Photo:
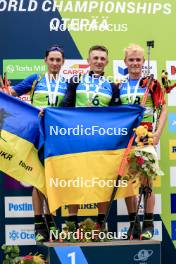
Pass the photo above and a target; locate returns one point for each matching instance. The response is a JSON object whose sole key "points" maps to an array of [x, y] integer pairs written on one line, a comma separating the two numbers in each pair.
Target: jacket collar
{"points": [[91, 73]]}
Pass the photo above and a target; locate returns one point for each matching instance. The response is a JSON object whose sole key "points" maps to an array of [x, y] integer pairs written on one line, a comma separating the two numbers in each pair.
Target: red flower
{"points": [[140, 161], [28, 257]]}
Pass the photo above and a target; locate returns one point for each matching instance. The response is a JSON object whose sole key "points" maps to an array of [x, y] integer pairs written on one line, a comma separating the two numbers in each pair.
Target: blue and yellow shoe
{"points": [[147, 230], [41, 232]]}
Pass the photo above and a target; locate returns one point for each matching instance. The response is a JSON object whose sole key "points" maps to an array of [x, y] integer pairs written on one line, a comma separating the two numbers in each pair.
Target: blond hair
{"points": [[133, 47]]}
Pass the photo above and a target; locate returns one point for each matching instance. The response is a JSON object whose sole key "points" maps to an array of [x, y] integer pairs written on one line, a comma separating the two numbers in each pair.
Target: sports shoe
{"points": [[147, 230], [41, 232], [134, 231]]}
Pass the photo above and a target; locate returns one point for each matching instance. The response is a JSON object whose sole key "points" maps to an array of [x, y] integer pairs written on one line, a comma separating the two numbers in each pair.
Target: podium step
{"points": [[114, 252]]}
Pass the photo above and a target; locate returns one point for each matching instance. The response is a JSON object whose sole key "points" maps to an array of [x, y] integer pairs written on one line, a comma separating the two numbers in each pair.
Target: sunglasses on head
{"points": [[55, 48]]}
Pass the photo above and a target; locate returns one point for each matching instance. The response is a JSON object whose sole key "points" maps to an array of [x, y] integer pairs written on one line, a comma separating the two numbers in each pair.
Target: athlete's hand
{"points": [[146, 181], [156, 138], [5, 85], [153, 83]]}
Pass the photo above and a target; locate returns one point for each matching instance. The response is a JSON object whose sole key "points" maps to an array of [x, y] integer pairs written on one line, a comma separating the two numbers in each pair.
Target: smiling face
{"points": [[97, 60], [54, 61], [134, 60]]}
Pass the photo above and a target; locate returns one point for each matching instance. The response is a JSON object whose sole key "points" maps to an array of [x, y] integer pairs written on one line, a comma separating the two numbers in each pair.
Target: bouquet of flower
{"points": [[88, 231], [29, 259], [143, 163], [11, 256]]}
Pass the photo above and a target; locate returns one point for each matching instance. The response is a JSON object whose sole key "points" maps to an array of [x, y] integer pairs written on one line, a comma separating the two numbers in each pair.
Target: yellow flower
{"points": [[38, 260]]}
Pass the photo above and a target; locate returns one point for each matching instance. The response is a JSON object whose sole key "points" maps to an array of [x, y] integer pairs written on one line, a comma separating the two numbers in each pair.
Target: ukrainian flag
{"points": [[19, 138], [83, 150]]}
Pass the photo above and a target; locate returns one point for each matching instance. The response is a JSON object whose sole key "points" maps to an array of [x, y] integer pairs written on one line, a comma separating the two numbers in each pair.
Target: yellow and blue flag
{"points": [[83, 148], [19, 139]]}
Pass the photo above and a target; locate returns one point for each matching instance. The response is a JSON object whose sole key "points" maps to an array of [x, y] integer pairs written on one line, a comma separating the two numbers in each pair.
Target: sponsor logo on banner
{"points": [[74, 67], [121, 72], [172, 122], [172, 149], [173, 176], [20, 69], [122, 210], [173, 229], [19, 235], [173, 203], [84, 210], [171, 69], [123, 227], [143, 255], [18, 206]]}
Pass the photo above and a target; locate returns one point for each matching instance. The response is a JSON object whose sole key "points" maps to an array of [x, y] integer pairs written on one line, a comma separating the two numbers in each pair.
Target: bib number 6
{"points": [[96, 101]]}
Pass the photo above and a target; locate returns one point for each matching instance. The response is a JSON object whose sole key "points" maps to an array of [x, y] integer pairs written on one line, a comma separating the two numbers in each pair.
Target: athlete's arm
{"points": [[161, 124], [69, 99], [24, 86]]}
